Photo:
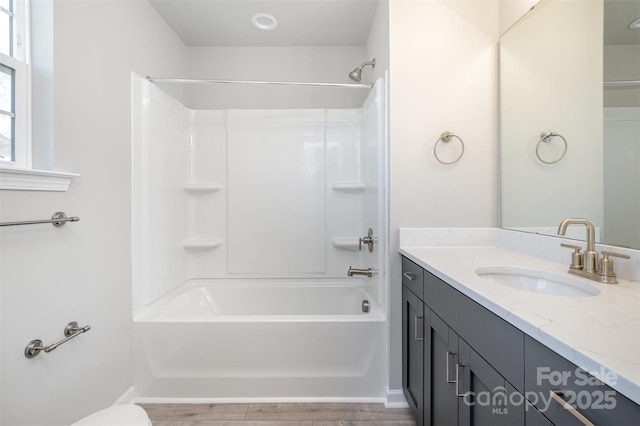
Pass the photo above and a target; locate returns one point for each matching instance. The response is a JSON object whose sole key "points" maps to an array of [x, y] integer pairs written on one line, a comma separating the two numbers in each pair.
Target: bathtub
{"points": [[261, 340]]}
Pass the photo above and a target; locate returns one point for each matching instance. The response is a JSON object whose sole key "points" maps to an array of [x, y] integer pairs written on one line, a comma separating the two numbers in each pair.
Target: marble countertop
{"points": [[599, 334]]}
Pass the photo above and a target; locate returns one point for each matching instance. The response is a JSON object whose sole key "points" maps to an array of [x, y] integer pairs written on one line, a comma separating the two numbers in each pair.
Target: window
{"points": [[16, 172], [14, 96]]}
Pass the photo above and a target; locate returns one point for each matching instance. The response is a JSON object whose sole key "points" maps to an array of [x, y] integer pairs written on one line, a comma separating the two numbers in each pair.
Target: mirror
{"points": [[570, 120]]}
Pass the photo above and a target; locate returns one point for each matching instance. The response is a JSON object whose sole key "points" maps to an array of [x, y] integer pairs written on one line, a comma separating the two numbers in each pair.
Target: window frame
{"points": [[19, 63]]}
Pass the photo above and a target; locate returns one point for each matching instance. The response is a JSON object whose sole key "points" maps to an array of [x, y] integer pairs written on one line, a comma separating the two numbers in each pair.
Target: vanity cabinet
{"points": [[441, 357], [413, 352], [464, 365], [551, 379], [459, 386]]}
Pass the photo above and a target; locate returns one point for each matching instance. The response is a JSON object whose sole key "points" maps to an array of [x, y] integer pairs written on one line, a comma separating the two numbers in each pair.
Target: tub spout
{"points": [[354, 271]]}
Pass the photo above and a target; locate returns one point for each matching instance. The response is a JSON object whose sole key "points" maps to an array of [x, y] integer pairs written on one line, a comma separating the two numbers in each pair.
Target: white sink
{"points": [[538, 281]]}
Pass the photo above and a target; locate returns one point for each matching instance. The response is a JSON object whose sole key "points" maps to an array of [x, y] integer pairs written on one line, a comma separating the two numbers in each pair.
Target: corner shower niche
{"points": [[269, 193]]}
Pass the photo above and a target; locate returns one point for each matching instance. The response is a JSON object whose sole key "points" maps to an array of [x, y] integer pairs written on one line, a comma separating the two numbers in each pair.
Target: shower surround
{"points": [[257, 201]]}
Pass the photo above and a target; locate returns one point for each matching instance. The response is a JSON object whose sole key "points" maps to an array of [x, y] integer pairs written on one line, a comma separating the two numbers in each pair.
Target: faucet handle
{"points": [[612, 254], [368, 240], [606, 266], [576, 256]]}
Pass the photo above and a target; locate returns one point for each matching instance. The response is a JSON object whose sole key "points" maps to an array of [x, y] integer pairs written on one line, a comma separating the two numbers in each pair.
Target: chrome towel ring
{"points": [[546, 137], [446, 137]]}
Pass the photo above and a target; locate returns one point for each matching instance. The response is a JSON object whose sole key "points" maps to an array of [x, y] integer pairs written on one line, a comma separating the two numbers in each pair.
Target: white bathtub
{"points": [[261, 340]]}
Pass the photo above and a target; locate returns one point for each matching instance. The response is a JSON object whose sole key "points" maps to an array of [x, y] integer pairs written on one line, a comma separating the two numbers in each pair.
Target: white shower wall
{"points": [[621, 175], [252, 193]]}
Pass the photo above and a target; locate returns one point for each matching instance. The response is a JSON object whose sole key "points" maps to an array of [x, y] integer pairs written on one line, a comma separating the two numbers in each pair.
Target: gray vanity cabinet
{"points": [[458, 385], [547, 373], [533, 417], [488, 398], [441, 356], [413, 352], [464, 365]]}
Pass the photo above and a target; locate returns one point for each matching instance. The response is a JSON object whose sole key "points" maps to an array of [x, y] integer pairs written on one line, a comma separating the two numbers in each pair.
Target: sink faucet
{"points": [[586, 264], [590, 257]]}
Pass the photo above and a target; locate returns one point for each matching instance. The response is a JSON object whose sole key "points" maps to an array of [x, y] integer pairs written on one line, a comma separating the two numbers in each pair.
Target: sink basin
{"points": [[538, 281]]}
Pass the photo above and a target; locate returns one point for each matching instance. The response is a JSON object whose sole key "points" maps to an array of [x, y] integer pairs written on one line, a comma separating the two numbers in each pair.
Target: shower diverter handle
{"points": [[368, 240]]}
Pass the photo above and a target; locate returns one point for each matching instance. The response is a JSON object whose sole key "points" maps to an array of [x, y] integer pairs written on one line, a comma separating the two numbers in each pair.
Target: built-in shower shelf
{"points": [[201, 244], [345, 243], [202, 187], [348, 186]]}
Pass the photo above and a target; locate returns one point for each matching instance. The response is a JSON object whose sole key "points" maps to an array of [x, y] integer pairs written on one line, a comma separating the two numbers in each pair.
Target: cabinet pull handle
{"points": [[458, 366], [415, 332], [409, 276], [447, 367], [575, 413]]}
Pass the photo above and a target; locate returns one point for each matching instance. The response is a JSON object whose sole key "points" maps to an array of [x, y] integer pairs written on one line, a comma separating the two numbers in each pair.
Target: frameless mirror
{"points": [[570, 119]]}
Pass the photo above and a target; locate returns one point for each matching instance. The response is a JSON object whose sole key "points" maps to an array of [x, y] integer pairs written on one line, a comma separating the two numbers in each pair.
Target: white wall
{"points": [[378, 44], [622, 62], [510, 11], [443, 77], [560, 93], [80, 272], [622, 176]]}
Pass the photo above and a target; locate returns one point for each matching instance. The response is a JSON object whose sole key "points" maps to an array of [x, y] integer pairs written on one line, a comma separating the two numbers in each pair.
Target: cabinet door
{"points": [[533, 417], [567, 395], [413, 352], [441, 347], [485, 397]]}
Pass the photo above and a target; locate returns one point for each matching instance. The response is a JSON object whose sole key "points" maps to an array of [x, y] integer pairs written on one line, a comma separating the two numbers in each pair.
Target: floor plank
{"points": [[365, 423], [281, 414], [195, 412], [326, 411], [230, 423]]}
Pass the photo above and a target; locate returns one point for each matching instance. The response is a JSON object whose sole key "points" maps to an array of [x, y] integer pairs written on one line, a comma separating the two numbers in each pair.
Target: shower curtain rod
{"points": [[622, 83], [271, 83]]}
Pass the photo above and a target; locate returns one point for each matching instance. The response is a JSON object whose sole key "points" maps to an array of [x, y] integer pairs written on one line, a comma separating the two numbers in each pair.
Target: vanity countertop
{"points": [[599, 334]]}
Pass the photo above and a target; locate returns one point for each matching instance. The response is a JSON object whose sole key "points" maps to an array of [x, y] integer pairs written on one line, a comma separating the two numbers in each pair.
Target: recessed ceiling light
{"points": [[635, 25], [264, 22]]}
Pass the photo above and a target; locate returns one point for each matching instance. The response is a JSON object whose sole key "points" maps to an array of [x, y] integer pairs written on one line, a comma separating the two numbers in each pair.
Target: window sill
{"points": [[17, 179]]}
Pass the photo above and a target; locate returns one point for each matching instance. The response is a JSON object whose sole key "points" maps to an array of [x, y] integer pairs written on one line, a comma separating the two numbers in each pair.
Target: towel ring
{"points": [[546, 137], [446, 137]]}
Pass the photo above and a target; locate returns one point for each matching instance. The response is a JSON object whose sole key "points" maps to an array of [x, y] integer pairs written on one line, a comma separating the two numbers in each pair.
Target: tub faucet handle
{"points": [[368, 240]]}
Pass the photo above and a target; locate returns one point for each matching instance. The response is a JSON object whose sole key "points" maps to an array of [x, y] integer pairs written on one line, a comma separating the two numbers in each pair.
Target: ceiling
{"points": [[300, 22], [618, 14], [318, 22]]}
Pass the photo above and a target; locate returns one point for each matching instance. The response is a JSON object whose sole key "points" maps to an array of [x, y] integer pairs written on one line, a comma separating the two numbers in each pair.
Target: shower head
{"points": [[356, 74]]}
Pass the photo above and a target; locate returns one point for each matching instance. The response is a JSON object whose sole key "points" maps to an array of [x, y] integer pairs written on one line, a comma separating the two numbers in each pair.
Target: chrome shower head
{"points": [[356, 74]]}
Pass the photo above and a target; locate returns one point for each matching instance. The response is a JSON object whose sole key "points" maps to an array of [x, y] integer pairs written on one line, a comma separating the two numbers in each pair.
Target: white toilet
{"points": [[118, 415]]}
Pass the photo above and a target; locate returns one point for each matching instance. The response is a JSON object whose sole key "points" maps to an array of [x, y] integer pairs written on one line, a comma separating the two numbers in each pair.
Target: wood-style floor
{"points": [[302, 414]]}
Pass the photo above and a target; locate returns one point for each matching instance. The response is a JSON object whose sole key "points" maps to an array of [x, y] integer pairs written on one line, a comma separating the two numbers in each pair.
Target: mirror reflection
{"points": [[570, 119]]}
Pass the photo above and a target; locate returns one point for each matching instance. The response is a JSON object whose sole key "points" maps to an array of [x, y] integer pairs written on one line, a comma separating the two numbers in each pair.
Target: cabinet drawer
{"points": [[412, 277], [547, 372], [497, 341]]}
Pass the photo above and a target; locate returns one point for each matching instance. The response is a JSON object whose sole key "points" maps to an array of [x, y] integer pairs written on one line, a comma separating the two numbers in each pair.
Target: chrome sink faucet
{"points": [[587, 264]]}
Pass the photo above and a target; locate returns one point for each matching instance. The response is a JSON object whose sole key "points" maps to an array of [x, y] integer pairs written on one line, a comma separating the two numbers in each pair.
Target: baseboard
{"points": [[253, 400], [128, 397], [395, 399]]}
